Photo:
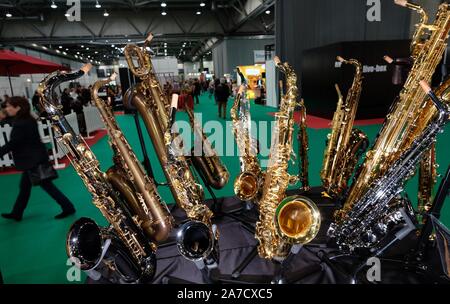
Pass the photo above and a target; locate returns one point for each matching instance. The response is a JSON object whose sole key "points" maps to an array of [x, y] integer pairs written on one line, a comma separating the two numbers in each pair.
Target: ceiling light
{"points": [[268, 12], [8, 15], [60, 46], [57, 51], [34, 44], [82, 46], [67, 15], [163, 13], [97, 5], [64, 53], [78, 53], [87, 49], [67, 49], [202, 4], [198, 13], [106, 14], [163, 4], [44, 48], [53, 5], [96, 52], [112, 45]]}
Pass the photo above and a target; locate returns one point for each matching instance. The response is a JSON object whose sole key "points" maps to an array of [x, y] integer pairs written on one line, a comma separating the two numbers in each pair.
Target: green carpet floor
{"points": [[33, 251]]}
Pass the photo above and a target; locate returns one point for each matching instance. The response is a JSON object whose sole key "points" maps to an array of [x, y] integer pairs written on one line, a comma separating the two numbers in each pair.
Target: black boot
{"points": [[12, 216]]}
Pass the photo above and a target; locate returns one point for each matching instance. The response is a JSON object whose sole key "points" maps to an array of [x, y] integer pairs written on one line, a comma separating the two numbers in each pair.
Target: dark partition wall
{"points": [[321, 71], [306, 24]]}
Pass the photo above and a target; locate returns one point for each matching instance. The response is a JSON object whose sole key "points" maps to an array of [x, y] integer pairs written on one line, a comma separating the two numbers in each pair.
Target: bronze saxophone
{"points": [[247, 185], [209, 165], [406, 118], [151, 103], [345, 144], [303, 147], [131, 250], [284, 221]]}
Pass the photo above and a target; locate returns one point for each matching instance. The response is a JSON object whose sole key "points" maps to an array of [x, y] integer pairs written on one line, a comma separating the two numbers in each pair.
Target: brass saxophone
{"points": [[284, 221], [131, 250], [151, 103], [209, 166], [303, 148], [345, 144], [247, 185], [406, 119]]}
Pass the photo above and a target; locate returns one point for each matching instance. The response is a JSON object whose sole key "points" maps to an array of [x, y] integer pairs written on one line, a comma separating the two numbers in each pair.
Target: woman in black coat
{"points": [[28, 152]]}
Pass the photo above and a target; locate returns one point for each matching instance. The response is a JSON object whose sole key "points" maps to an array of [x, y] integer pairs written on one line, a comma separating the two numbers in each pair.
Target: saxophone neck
{"points": [[291, 81], [100, 84]]}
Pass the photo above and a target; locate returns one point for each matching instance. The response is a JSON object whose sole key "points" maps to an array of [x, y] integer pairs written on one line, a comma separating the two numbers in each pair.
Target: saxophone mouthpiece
{"points": [[388, 59], [149, 37], [425, 86], [340, 59], [401, 2], [277, 60], [113, 76], [86, 68]]}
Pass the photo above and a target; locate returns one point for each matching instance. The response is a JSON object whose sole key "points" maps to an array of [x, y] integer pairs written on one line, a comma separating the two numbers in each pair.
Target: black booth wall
{"points": [[302, 25]]}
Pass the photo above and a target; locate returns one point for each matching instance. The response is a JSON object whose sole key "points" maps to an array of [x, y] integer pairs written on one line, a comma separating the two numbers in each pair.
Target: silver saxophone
{"points": [[380, 213]]}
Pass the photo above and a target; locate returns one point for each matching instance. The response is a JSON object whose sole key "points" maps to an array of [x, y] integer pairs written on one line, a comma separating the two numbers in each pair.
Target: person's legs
{"points": [[58, 196], [197, 100], [23, 197], [220, 109], [224, 108]]}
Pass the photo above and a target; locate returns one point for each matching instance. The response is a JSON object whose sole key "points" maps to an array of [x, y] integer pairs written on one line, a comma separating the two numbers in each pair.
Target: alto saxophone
{"points": [[284, 221], [247, 185], [150, 102], [129, 247], [408, 116], [345, 144]]}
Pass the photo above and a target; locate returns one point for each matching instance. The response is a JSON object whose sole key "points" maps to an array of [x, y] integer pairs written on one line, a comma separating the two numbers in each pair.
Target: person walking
{"points": [[31, 157], [196, 91], [222, 94]]}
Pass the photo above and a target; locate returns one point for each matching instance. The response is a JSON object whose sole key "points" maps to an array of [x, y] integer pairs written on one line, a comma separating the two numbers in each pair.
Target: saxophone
{"points": [[247, 185], [151, 103], [345, 144], [378, 213], [132, 251], [209, 166], [409, 115], [302, 139], [284, 222]]}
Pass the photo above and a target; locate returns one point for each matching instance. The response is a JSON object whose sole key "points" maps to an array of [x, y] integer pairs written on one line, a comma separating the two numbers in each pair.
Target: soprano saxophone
{"points": [[124, 247], [247, 185], [345, 144], [283, 221]]}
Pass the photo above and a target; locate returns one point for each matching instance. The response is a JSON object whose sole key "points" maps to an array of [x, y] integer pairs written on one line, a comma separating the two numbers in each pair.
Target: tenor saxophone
{"points": [[409, 115], [130, 248], [345, 144], [284, 221], [248, 184], [151, 103]]}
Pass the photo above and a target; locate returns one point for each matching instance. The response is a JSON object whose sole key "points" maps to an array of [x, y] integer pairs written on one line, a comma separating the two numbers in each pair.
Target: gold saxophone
{"points": [[409, 115], [130, 236], [345, 144], [284, 221], [247, 185], [151, 103]]}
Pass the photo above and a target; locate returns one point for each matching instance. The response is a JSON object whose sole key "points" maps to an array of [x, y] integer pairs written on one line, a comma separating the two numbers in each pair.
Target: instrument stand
{"points": [[280, 277], [146, 161]]}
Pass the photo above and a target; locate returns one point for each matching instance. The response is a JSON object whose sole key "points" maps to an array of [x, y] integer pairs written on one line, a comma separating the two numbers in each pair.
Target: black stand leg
{"points": [[280, 277], [248, 259]]}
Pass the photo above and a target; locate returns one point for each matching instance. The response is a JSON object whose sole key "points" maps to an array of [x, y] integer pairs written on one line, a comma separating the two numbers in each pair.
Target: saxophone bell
{"points": [[196, 241], [297, 220], [89, 246], [246, 186]]}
